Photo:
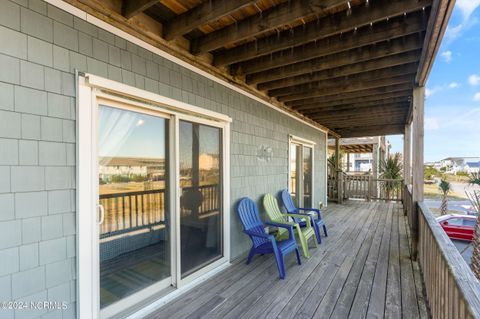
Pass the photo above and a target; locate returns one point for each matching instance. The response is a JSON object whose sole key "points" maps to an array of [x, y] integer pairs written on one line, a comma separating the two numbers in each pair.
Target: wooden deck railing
{"points": [[368, 188], [452, 290], [130, 211]]}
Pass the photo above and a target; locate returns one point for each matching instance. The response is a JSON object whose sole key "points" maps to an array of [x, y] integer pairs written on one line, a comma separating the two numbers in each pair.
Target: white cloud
{"points": [[476, 97], [453, 85], [439, 88], [447, 56], [431, 124], [453, 32], [466, 7], [428, 92], [474, 79]]}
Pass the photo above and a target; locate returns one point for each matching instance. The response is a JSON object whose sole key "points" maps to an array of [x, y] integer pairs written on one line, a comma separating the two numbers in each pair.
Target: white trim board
{"points": [[122, 34]]}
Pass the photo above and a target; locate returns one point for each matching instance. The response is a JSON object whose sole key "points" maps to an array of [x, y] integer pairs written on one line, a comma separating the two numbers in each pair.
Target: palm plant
{"points": [[391, 170], [474, 198], [445, 187]]}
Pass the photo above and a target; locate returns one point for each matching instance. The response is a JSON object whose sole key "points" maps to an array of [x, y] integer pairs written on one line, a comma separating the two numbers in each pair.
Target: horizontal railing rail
{"points": [[452, 290]]}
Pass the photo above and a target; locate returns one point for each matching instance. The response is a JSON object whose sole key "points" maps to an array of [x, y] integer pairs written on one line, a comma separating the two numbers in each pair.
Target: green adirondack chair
{"points": [[275, 215]]}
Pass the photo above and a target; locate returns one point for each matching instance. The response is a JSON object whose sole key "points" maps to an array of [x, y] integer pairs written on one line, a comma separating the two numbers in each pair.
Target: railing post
{"points": [[340, 186], [417, 161], [369, 188]]}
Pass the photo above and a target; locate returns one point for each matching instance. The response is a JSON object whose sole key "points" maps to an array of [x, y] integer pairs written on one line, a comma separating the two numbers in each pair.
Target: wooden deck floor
{"points": [[362, 270]]}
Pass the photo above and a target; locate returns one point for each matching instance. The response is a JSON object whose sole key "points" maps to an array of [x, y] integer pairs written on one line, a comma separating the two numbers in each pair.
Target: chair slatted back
{"points": [[288, 202], [272, 209], [250, 218]]}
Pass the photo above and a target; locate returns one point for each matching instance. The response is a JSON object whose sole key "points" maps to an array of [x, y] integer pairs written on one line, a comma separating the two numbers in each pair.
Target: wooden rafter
{"points": [[316, 103], [397, 46], [203, 13], [273, 18], [377, 11], [131, 8], [366, 112], [372, 130], [334, 82], [351, 95], [354, 106], [395, 28], [405, 60], [305, 108], [349, 87]]}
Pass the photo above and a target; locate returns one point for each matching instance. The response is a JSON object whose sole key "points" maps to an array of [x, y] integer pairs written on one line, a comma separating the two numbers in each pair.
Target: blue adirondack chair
{"points": [[263, 243], [292, 209]]}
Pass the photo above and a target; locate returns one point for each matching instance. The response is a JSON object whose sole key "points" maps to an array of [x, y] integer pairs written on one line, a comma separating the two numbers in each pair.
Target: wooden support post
{"points": [[407, 149], [417, 161], [407, 159], [348, 162], [338, 171], [375, 171]]}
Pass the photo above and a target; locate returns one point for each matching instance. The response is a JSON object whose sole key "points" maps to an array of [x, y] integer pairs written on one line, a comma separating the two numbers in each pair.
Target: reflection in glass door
{"points": [[133, 193], [301, 173], [201, 213], [307, 176]]}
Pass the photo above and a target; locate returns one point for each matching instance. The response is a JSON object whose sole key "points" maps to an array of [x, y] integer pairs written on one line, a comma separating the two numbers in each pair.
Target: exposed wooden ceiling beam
{"points": [[361, 16], [349, 87], [277, 16], [338, 81], [374, 114], [131, 8], [205, 12], [351, 95], [407, 60], [372, 130], [397, 46], [316, 109], [343, 125], [366, 112], [345, 101], [401, 26]]}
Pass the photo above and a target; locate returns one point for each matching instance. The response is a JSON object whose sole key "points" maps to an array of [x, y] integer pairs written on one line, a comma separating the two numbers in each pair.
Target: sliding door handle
{"points": [[102, 214]]}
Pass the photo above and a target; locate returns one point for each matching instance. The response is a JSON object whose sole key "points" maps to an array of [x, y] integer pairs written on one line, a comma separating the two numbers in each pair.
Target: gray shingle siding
{"points": [[41, 47]]}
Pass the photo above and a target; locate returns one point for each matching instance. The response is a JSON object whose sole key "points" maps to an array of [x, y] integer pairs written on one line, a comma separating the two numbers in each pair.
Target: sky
{"points": [[452, 106]]}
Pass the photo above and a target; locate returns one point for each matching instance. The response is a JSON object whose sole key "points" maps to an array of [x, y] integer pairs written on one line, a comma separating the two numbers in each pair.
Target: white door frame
{"points": [[90, 88]]}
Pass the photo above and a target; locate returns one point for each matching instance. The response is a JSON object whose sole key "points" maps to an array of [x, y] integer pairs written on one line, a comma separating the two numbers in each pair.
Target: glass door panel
{"points": [[307, 176], [300, 166], [133, 191], [293, 187], [201, 213]]}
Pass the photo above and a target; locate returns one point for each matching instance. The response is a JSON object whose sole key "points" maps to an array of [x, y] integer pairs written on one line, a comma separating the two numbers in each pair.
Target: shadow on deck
{"points": [[363, 269]]}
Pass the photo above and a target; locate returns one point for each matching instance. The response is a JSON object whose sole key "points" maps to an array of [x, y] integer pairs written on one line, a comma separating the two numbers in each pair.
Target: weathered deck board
{"points": [[363, 269]]}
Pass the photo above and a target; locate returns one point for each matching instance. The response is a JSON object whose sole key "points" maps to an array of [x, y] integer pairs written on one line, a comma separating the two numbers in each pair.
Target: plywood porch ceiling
{"points": [[349, 66]]}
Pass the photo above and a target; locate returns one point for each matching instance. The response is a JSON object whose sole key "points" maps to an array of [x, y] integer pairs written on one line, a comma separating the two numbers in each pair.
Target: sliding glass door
{"points": [[160, 197], [301, 172], [201, 213]]}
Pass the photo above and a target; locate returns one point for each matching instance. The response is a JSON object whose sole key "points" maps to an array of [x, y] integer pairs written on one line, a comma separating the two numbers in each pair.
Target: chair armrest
{"points": [[288, 227], [261, 235], [301, 216], [283, 222], [312, 210]]}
